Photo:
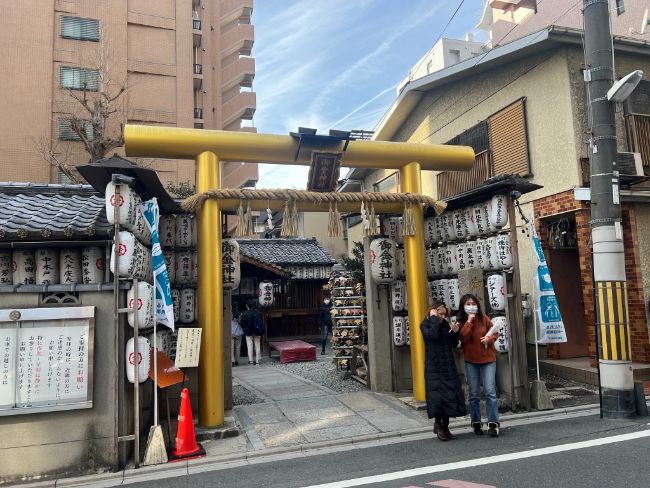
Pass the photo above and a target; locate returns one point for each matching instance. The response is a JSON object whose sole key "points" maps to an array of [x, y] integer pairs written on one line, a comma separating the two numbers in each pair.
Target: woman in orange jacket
{"points": [[480, 362]]}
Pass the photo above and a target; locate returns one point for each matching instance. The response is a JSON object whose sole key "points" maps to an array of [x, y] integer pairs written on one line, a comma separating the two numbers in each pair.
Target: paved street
{"points": [[571, 450]]}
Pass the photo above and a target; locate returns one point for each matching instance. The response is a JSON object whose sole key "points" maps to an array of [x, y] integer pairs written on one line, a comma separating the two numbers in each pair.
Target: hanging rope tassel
{"points": [[249, 221], [241, 221], [294, 220], [285, 231], [408, 221], [374, 222], [334, 227]]}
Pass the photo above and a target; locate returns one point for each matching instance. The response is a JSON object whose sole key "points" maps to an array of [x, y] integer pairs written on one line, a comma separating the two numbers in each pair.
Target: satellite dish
{"points": [[624, 87]]}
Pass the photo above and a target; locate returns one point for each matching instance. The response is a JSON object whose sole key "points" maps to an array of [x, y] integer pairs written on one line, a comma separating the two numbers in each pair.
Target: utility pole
{"points": [[610, 286]]}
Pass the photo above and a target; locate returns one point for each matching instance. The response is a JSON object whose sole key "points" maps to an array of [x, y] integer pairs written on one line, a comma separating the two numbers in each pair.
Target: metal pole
{"points": [[615, 360], [116, 305], [136, 382], [211, 370], [416, 278]]}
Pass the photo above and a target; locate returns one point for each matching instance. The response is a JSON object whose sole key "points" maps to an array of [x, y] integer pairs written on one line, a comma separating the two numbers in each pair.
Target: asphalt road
{"points": [[575, 452]]}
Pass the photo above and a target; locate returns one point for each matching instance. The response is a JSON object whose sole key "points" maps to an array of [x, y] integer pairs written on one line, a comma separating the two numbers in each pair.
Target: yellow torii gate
{"points": [[208, 147]]}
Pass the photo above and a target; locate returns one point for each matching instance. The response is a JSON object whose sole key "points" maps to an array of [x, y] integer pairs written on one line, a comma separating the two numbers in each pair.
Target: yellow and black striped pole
{"points": [[612, 321]]}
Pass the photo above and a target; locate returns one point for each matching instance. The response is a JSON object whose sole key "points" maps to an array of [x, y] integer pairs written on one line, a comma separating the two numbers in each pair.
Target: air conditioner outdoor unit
{"points": [[629, 164]]}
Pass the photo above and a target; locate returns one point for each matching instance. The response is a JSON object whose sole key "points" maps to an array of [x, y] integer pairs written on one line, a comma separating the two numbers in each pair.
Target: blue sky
{"points": [[335, 63]]}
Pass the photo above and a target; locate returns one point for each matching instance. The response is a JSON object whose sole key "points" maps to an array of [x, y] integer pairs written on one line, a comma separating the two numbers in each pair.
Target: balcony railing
{"points": [[454, 182], [637, 128], [239, 39], [196, 24], [198, 113], [198, 69]]}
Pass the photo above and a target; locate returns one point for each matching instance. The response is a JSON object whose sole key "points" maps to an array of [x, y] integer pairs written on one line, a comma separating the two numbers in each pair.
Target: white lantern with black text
{"points": [[47, 267], [472, 230], [461, 256], [490, 249], [454, 295], [69, 266], [184, 230], [265, 292], [451, 260], [176, 303], [398, 296], [195, 267], [128, 204], [383, 261], [134, 258], [143, 360], [140, 228], [496, 292], [443, 291], [187, 305], [432, 291], [499, 211], [407, 330], [440, 260], [440, 229], [481, 219], [163, 341], [170, 264], [400, 254], [184, 267], [504, 251], [448, 230], [502, 344], [24, 267], [393, 229], [470, 254], [430, 230], [431, 262], [481, 259], [460, 227], [92, 265], [5, 268], [399, 334], [145, 305], [230, 264], [167, 230]]}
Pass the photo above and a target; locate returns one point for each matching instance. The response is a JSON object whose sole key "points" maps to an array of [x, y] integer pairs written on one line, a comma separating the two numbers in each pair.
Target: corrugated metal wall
{"points": [[508, 140]]}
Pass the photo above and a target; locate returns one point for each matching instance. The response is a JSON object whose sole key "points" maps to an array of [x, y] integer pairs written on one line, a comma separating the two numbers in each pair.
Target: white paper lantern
{"points": [[454, 294], [128, 204], [69, 266], [490, 249], [230, 264], [499, 211], [398, 296], [461, 256], [460, 226], [195, 267], [184, 268], [502, 344], [6, 277], [145, 305], [487, 208], [472, 229], [400, 255], [432, 291], [143, 361], [481, 259], [47, 267], [440, 229], [140, 229], [195, 232], [393, 229], [430, 230], [440, 260], [470, 254], [163, 341], [481, 219], [184, 230], [407, 330], [399, 334], [448, 231], [503, 251], [496, 292], [187, 306], [443, 291], [167, 230], [451, 262], [176, 303], [170, 264], [431, 262], [134, 258], [24, 267], [92, 265], [383, 260], [265, 293]]}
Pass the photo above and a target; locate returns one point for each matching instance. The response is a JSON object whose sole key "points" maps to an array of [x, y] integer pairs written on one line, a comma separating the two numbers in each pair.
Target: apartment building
{"points": [[183, 63]]}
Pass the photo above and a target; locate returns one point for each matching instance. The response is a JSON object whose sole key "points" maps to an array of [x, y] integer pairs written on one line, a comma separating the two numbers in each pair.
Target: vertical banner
{"points": [[164, 303], [550, 320]]}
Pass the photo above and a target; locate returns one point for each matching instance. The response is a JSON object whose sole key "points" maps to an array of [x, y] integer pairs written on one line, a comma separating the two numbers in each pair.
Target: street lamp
{"points": [[624, 87]]}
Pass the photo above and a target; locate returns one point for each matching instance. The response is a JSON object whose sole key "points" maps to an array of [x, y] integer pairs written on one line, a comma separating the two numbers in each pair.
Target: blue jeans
{"points": [[486, 374]]}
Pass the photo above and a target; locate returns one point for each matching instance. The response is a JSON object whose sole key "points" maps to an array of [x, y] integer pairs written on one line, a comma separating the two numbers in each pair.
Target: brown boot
{"points": [[445, 426], [439, 430]]}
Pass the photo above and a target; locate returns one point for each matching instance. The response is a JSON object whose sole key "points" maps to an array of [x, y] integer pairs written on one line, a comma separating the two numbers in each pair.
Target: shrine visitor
{"points": [[237, 333], [480, 362], [444, 394], [325, 321], [253, 327]]}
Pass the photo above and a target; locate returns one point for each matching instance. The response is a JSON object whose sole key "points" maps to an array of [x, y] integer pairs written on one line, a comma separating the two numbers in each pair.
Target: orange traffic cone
{"points": [[186, 445]]}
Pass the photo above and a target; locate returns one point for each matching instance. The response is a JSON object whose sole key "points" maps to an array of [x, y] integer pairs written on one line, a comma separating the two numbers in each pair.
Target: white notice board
{"points": [[188, 347], [45, 359]]}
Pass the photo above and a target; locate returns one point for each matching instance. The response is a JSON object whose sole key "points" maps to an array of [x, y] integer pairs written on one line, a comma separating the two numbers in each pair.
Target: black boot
{"points": [[439, 430], [493, 429], [445, 425], [478, 428]]}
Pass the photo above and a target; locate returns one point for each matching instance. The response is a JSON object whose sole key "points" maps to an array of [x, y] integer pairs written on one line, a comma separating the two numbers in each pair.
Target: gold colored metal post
{"points": [[416, 278], [211, 380]]}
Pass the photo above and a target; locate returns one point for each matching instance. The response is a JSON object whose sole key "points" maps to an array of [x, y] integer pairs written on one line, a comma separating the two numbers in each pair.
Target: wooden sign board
{"points": [[188, 347]]}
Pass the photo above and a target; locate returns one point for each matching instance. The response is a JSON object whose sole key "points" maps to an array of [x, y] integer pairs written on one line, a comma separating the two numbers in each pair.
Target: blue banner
{"points": [[164, 304]]}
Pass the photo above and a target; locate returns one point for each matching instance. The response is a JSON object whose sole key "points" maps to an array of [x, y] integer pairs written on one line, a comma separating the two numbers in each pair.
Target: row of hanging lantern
{"points": [[401, 331], [178, 231], [490, 253], [182, 266], [50, 266]]}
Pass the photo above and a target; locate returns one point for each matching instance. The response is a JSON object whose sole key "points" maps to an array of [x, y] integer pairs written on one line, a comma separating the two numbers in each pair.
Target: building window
{"points": [[454, 56], [79, 78], [389, 184], [67, 134], [620, 7], [78, 28]]}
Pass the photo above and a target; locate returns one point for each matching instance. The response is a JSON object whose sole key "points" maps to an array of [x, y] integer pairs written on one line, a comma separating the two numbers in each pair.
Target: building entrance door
{"points": [[564, 266]]}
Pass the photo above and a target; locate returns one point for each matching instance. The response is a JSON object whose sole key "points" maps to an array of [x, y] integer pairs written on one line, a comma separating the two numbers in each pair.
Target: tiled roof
{"points": [[32, 211], [286, 251]]}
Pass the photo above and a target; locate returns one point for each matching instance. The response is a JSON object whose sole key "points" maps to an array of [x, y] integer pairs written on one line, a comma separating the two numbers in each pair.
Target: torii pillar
{"points": [[209, 147]]}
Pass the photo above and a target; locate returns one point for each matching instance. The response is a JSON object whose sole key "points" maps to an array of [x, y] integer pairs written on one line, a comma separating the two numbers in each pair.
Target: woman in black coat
{"points": [[445, 396]]}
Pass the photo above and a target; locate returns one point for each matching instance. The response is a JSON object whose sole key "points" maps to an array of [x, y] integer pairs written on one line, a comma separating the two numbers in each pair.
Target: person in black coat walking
{"points": [[444, 394], [325, 321]]}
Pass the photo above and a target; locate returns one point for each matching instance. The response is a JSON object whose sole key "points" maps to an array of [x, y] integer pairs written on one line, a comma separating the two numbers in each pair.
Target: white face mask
{"points": [[471, 309], [326, 302]]}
